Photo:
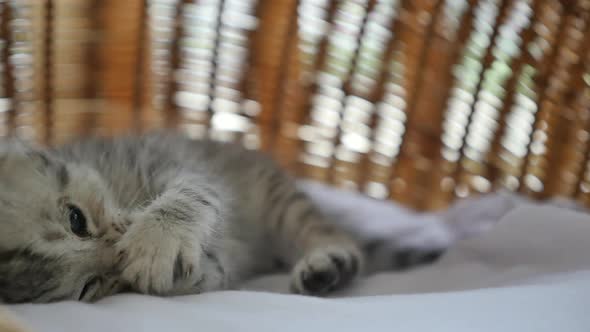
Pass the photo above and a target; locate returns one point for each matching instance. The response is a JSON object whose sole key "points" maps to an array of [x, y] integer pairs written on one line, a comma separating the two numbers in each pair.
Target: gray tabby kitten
{"points": [[157, 214]]}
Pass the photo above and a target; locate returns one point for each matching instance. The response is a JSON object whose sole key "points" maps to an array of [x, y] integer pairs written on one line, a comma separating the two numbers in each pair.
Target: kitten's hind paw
{"points": [[408, 258], [387, 256], [325, 270]]}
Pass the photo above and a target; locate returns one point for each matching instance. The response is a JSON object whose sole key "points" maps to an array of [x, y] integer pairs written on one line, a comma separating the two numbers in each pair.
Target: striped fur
{"points": [[166, 216]]}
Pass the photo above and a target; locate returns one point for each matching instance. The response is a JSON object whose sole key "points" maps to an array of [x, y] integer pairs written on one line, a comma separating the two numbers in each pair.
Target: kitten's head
{"points": [[55, 228]]}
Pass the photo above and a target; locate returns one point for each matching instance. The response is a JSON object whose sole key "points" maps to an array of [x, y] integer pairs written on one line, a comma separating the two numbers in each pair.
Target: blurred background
{"points": [[418, 101]]}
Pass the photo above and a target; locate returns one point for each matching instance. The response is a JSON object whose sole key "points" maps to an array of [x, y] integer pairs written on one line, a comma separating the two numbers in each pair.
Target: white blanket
{"points": [[530, 272]]}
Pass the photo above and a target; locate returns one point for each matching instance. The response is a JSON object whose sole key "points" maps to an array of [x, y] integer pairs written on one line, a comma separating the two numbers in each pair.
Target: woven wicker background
{"points": [[419, 101]]}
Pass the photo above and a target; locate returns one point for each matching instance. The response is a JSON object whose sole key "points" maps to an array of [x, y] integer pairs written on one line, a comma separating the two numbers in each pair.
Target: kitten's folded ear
{"points": [[42, 160], [10, 146]]}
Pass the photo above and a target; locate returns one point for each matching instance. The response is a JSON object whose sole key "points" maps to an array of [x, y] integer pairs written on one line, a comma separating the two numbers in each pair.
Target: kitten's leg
{"points": [[323, 257], [329, 260], [167, 242]]}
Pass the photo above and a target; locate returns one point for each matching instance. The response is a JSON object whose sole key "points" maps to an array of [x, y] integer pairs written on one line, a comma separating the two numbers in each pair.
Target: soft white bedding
{"points": [[530, 272]]}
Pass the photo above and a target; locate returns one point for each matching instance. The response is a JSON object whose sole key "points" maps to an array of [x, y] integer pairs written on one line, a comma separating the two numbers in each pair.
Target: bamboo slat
{"points": [[417, 101]]}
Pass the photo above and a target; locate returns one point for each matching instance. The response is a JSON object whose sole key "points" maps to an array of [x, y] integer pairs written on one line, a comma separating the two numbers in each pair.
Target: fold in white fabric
{"points": [[530, 271]]}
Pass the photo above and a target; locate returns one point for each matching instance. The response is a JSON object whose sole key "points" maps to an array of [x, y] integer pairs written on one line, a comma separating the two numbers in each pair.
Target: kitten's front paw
{"points": [[153, 257], [326, 269]]}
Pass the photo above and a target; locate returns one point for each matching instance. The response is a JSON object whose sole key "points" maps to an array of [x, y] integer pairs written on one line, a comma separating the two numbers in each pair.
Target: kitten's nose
{"points": [[114, 230], [120, 225]]}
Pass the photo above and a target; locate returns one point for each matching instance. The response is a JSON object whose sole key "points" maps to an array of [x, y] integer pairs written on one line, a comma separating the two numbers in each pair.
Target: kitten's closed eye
{"points": [[89, 288], [78, 223]]}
